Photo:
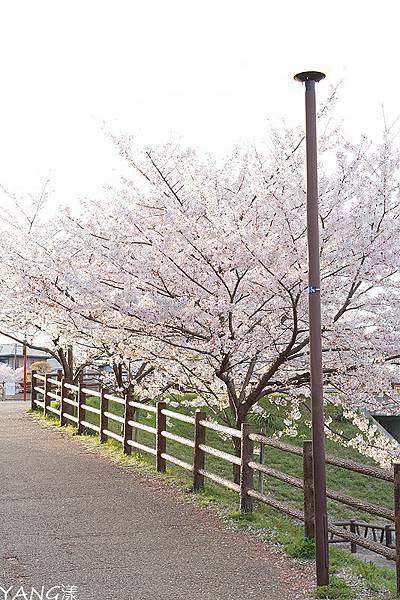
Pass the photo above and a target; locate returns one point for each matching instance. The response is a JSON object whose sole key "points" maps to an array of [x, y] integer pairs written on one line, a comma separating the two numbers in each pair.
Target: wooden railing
{"points": [[73, 408]]}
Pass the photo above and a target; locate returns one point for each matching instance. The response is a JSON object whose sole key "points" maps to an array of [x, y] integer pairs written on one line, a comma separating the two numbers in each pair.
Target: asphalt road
{"points": [[70, 516]]}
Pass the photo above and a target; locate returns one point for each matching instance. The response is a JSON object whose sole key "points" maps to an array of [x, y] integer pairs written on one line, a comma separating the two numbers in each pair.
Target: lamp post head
{"points": [[309, 76]]}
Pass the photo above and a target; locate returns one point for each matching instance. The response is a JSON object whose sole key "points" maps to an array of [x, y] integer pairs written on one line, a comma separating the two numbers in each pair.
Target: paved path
{"points": [[70, 516]]}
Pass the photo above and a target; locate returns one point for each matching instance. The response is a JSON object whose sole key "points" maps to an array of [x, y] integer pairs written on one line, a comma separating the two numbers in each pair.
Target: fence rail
{"points": [[73, 407]]}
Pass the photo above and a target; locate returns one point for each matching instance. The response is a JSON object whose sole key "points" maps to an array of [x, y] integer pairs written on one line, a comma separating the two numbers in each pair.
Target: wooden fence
{"points": [[73, 409]]}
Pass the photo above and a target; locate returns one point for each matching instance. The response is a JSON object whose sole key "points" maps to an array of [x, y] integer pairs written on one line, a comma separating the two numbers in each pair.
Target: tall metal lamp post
{"points": [[309, 78]]}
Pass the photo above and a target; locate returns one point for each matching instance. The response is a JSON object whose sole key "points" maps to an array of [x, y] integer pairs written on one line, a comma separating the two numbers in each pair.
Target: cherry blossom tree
{"points": [[35, 255], [7, 374], [204, 267], [26, 273], [196, 271]]}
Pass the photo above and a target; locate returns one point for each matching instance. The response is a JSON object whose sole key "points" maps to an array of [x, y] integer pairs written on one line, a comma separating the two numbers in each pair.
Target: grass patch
{"points": [[300, 547], [336, 589]]}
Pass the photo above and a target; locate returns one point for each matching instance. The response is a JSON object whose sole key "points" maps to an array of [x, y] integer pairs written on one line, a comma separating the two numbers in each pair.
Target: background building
{"points": [[12, 355]]}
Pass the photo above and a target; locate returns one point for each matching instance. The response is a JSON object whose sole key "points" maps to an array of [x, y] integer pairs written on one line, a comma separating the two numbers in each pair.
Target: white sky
{"points": [[212, 72]]}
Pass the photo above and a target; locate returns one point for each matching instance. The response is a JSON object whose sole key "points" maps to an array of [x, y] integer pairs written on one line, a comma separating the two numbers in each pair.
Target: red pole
{"points": [[25, 370]]}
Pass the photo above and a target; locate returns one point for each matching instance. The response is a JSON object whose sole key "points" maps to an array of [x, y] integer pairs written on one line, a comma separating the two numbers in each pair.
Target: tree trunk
{"points": [[67, 368], [238, 452], [237, 442]]}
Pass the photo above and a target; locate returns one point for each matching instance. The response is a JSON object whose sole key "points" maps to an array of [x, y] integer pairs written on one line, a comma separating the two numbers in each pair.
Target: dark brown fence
{"points": [[73, 409]]}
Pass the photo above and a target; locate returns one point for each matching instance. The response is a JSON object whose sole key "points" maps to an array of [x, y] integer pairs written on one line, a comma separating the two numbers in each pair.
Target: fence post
{"points": [[128, 416], [396, 473], [63, 393], [199, 454], [58, 390], [308, 482], [388, 536], [161, 442], [46, 400], [81, 412], [246, 472], [353, 545], [33, 391], [103, 418]]}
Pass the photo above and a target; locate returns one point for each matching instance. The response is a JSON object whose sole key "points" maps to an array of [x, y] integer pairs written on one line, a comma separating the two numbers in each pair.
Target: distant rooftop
{"points": [[17, 350]]}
